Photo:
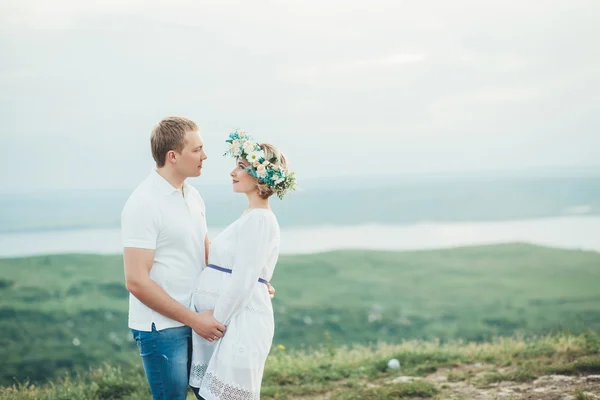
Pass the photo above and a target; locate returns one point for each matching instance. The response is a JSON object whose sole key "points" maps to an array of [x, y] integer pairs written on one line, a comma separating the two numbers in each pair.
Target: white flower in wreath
{"points": [[255, 156], [279, 180], [235, 148], [249, 146], [261, 171]]}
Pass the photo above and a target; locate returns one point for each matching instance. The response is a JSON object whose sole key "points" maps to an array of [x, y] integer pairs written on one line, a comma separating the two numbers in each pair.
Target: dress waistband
{"points": [[228, 271]]}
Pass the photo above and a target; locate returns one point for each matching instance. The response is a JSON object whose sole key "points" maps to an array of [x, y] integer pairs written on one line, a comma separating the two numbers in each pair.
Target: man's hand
{"points": [[271, 290], [205, 325]]}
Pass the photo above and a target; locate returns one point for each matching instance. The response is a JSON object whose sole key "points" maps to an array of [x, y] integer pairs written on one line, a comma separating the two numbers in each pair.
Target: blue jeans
{"points": [[166, 356]]}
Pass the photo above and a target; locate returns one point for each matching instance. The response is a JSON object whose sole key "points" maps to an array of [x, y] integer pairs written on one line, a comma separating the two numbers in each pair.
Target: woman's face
{"points": [[242, 181]]}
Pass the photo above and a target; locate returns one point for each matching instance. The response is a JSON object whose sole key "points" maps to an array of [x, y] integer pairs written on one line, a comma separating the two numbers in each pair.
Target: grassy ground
{"points": [[68, 312], [553, 367]]}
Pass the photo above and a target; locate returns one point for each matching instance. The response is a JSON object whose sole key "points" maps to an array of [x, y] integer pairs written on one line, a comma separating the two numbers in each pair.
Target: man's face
{"points": [[189, 163]]}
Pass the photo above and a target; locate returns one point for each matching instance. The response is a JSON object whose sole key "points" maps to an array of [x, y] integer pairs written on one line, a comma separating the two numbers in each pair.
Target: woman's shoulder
{"points": [[260, 218]]}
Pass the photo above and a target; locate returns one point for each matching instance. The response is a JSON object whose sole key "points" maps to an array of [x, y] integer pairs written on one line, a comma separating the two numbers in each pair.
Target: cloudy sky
{"points": [[345, 88]]}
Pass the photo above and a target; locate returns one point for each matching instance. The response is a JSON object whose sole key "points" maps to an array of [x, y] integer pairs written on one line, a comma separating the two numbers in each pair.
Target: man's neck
{"points": [[173, 178]]}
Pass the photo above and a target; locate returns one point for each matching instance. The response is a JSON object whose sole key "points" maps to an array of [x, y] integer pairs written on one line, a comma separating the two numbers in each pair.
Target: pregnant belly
{"points": [[207, 290], [212, 283], [205, 300]]}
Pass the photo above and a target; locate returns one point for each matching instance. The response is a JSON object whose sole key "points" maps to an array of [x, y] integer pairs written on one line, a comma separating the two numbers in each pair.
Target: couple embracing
{"points": [[201, 311]]}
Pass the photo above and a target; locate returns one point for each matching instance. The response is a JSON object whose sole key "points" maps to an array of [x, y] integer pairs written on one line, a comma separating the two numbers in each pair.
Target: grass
{"points": [[392, 391], [69, 312], [350, 372], [580, 394]]}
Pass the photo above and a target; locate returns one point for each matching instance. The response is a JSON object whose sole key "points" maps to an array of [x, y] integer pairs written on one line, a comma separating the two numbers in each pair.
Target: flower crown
{"points": [[244, 146]]}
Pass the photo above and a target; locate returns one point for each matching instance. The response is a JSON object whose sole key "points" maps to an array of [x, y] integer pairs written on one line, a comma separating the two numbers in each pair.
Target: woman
{"points": [[241, 261]]}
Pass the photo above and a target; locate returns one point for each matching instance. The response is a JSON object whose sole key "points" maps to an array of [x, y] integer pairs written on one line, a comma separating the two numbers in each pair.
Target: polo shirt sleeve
{"points": [[139, 224]]}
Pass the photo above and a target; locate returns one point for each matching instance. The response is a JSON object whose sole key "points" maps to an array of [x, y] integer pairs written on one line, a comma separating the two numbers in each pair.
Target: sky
{"points": [[345, 88]]}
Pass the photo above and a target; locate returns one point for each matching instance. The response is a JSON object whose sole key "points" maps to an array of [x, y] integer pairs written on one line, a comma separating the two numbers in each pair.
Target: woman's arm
{"points": [[254, 239]]}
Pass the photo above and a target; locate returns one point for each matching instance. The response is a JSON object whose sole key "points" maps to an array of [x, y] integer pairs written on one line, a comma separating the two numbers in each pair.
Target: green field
{"points": [[61, 313]]}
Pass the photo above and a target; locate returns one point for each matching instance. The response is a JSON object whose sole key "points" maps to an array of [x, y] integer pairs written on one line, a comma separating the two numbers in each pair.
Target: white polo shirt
{"points": [[157, 216]]}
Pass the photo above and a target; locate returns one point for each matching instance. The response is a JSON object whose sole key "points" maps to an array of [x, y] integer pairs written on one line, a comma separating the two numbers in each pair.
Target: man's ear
{"points": [[171, 156]]}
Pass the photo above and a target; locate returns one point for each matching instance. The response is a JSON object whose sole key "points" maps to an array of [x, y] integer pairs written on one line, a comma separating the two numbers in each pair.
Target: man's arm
{"points": [[138, 263], [206, 249]]}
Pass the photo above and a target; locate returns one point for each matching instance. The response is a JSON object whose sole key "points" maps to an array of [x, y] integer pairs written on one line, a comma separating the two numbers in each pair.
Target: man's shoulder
{"points": [[142, 195]]}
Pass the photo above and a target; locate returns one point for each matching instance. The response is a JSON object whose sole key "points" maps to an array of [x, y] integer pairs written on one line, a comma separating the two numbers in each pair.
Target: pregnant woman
{"points": [[242, 260]]}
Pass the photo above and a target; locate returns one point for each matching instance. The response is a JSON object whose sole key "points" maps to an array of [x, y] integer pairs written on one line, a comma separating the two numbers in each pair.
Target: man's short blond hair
{"points": [[169, 135]]}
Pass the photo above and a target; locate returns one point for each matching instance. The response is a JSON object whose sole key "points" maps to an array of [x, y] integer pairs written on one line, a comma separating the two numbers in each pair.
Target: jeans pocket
{"points": [[145, 342]]}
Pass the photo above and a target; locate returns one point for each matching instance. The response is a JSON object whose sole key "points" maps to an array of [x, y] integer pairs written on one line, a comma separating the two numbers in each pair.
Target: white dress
{"points": [[232, 368]]}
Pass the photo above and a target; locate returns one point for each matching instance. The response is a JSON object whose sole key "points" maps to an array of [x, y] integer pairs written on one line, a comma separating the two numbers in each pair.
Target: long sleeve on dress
{"points": [[255, 238]]}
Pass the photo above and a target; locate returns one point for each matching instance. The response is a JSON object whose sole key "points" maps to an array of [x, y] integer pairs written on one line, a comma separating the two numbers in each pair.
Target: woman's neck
{"points": [[255, 201]]}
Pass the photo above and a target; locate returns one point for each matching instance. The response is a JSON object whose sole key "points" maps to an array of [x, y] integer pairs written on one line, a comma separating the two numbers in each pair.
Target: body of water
{"points": [[564, 232]]}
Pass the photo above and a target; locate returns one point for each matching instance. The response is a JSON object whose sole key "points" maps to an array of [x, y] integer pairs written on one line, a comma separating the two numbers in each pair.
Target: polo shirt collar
{"points": [[163, 185]]}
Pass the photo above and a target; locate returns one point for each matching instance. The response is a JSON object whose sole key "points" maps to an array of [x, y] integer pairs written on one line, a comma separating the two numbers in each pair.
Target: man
{"points": [[166, 244]]}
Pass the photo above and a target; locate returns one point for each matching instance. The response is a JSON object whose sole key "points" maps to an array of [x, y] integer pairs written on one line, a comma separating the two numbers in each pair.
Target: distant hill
{"points": [[331, 202]]}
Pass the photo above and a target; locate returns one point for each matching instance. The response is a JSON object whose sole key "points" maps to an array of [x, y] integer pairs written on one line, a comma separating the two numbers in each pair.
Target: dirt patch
{"points": [[465, 383]]}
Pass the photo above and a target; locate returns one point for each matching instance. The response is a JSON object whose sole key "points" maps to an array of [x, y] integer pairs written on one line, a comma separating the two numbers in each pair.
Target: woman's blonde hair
{"points": [[276, 157]]}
